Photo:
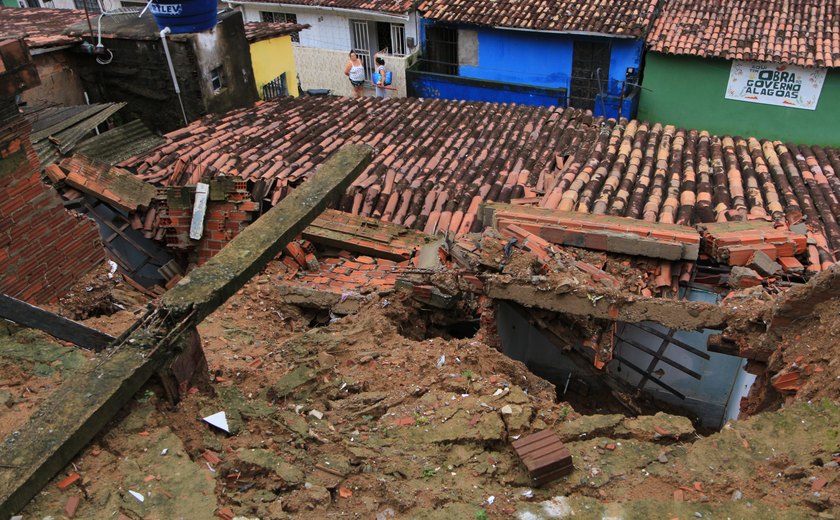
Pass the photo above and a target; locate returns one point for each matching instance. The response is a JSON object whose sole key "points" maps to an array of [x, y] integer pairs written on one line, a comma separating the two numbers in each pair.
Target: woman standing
{"points": [[355, 70], [380, 85]]}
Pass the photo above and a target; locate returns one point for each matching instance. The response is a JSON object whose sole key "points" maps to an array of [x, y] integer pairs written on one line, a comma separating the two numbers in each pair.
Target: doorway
{"points": [[361, 43]]}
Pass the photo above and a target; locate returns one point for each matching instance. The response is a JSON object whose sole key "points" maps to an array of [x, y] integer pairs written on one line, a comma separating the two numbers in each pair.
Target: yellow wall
{"points": [[272, 57]]}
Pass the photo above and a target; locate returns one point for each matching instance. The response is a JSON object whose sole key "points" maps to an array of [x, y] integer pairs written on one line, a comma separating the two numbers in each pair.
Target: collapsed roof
{"points": [[439, 159]]}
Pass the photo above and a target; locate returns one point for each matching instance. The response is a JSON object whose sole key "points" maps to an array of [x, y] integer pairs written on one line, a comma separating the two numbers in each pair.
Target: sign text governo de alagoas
{"points": [[772, 84]]}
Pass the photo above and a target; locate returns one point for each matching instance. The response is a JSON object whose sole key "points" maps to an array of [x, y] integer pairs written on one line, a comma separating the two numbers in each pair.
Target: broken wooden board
{"points": [[79, 408], [56, 326]]}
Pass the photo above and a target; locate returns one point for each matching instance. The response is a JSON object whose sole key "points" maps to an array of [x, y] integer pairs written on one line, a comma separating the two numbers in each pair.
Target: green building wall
{"points": [[688, 92]]}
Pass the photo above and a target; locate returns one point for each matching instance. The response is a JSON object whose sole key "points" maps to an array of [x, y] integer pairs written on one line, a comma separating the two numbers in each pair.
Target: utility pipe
{"points": [[163, 33]]}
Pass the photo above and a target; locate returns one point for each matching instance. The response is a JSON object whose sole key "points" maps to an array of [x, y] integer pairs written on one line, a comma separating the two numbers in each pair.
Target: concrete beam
{"points": [[75, 413], [676, 314]]}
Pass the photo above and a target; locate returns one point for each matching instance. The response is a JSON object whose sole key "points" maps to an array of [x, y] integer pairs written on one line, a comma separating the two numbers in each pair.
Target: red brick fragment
{"points": [[71, 506], [69, 480]]}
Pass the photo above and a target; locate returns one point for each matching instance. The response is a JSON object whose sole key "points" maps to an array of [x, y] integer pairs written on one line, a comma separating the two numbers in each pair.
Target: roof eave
{"points": [[384, 14]]}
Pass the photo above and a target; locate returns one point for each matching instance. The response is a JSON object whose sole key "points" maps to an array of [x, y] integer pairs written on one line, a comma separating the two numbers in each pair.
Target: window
{"points": [[441, 50], [590, 73], [271, 16], [92, 5], [398, 39], [216, 79]]}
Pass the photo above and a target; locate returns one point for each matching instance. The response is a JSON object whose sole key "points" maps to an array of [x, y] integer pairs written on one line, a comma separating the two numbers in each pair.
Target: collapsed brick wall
{"points": [[44, 248], [229, 211]]}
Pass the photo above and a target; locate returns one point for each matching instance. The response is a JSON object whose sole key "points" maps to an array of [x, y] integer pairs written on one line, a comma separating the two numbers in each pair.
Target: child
{"points": [[380, 86]]}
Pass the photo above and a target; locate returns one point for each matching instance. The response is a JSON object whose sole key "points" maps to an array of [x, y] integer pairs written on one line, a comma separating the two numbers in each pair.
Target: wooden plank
{"points": [[56, 326], [79, 408]]}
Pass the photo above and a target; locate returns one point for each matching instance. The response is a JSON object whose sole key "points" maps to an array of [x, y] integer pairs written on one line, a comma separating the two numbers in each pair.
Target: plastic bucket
{"points": [[185, 16]]}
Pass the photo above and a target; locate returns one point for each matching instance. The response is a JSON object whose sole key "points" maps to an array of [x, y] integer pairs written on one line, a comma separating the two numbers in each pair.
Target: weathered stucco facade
{"points": [[272, 57], [213, 69]]}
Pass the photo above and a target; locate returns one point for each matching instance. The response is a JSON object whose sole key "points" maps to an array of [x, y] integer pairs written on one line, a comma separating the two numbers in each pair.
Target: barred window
{"points": [[271, 16]]}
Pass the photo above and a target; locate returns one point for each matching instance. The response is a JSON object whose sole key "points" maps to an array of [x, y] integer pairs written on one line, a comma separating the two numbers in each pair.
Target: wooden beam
{"points": [[79, 408], [56, 326]]}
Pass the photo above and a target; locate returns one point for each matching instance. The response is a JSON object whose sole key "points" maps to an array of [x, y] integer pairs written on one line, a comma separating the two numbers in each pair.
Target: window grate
{"points": [[275, 17], [276, 88]]}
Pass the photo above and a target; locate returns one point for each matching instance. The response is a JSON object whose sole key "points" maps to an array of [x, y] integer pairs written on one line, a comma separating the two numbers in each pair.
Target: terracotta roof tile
{"points": [[438, 160], [258, 31], [617, 17], [385, 6], [799, 32], [42, 27]]}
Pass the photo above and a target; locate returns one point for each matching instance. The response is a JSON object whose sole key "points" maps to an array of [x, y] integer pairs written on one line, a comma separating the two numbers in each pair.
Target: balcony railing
{"points": [[276, 87]]}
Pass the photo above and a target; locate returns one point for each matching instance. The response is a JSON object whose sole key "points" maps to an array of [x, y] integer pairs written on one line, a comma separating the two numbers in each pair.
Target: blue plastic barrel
{"points": [[185, 16]]}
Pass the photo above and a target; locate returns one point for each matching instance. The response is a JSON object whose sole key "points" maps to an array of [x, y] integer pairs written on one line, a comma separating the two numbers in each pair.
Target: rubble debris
{"points": [[545, 456], [598, 232], [89, 401], [744, 277]]}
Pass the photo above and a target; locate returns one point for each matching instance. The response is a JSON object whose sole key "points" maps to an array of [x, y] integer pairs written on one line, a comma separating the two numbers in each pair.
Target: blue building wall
{"points": [[527, 58]]}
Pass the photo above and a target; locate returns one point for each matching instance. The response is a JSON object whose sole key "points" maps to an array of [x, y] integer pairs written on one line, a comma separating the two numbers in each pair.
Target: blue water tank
{"points": [[185, 16]]}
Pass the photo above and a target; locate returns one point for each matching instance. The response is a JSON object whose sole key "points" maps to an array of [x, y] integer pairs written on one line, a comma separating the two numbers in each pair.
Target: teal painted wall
{"points": [[689, 92]]}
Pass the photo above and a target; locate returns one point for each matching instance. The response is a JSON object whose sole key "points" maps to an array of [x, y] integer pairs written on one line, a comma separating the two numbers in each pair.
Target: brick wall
{"points": [[44, 249], [229, 211]]}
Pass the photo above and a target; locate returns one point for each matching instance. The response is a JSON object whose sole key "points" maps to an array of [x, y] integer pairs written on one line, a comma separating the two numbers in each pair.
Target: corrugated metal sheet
{"points": [[120, 143], [56, 130]]}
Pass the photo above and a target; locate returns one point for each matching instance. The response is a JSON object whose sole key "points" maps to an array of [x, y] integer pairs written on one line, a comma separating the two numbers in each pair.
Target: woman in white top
{"points": [[355, 70]]}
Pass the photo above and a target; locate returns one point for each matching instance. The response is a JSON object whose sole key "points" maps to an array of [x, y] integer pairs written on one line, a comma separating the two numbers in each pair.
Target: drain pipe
{"points": [[163, 33]]}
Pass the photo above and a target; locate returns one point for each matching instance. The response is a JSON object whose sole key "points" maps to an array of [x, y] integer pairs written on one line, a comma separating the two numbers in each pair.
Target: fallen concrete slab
{"points": [[71, 417], [614, 306]]}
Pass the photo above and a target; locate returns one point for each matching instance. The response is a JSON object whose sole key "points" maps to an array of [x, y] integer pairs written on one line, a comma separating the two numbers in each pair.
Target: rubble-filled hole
{"points": [[610, 367]]}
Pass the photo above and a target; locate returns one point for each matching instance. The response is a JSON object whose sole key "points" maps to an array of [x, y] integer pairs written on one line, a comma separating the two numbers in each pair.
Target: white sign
{"points": [[773, 84]]}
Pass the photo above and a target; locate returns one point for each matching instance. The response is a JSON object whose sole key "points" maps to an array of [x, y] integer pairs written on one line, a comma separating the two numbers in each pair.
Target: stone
{"points": [[325, 359], [267, 461], [763, 264], [794, 472], [291, 381], [743, 277], [662, 458], [507, 410]]}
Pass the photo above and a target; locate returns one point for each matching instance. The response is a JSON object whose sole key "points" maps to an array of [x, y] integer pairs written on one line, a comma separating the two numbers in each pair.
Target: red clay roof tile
{"points": [[799, 32], [618, 17], [439, 159], [41, 27], [258, 31]]}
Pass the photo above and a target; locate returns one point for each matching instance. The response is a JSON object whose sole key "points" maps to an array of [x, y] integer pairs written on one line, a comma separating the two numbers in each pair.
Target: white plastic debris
{"points": [[219, 420], [113, 266], [498, 392], [528, 493], [316, 414], [507, 410], [490, 500], [441, 360], [164, 451], [138, 496]]}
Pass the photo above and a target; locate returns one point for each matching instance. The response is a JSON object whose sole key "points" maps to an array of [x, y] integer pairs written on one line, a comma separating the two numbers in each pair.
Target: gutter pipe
{"points": [[163, 33]]}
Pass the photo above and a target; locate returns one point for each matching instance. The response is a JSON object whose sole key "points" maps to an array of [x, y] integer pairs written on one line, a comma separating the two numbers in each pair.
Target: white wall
{"points": [[331, 29], [324, 68]]}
